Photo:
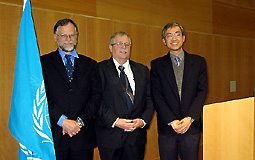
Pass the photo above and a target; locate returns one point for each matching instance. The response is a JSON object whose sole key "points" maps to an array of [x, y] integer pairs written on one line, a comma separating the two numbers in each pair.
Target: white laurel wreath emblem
{"points": [[30, 155], [39, 114]]}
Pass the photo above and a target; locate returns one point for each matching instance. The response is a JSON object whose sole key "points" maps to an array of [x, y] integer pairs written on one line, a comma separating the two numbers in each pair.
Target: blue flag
{"points": [[29, 120]]}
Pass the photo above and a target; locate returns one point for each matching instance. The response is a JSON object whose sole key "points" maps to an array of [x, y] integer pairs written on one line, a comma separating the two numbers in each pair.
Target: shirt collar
{"points": [[73, 53], [126, 64], [181, 56]]}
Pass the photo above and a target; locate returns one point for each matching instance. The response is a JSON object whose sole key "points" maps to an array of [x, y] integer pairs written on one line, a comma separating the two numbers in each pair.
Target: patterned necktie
{"points": [[69, 67], [178, 61], [126, 86]]}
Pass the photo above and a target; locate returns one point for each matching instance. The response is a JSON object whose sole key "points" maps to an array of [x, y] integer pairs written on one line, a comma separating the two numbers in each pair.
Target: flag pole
{"points": [[24, 4]]}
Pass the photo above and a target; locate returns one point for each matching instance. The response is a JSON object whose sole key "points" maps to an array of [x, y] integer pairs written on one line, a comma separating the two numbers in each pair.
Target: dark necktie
{"points": [[69, 67], [178, 61], [126, 86]]}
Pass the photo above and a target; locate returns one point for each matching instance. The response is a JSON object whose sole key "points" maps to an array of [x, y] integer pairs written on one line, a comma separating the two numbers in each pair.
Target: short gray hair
{"points": [[121, 33]]}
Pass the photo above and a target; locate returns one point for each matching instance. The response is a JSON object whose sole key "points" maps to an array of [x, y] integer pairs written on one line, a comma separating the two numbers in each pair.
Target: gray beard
{"points": [[67, 50]]}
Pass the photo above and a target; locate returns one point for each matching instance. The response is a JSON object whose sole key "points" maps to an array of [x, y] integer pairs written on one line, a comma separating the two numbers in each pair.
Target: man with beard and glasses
{"points": [[179, 86], [73, 89], [126, 109]]}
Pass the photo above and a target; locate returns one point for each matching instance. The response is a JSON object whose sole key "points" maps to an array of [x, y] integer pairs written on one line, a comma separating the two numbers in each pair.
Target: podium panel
{"points": [[228, 130]]}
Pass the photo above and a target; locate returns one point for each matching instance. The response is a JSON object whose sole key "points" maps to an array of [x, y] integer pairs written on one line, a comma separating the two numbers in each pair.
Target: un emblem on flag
{"points": [[41, 115]]}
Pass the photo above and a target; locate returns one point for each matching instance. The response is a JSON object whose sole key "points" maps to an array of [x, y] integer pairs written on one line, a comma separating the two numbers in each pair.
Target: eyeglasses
{"points": [[122, 44], [171, 35], [65, 36]]}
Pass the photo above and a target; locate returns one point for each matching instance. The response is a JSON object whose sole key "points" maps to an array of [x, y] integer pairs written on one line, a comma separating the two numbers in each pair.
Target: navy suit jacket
{"points": [[165, 95], [114, 105], [79, 98]]}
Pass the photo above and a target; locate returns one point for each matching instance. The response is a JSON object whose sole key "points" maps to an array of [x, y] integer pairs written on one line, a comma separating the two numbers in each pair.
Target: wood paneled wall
{"points": [[241, 3], [228, 59], [232, 21], [224, 34]]}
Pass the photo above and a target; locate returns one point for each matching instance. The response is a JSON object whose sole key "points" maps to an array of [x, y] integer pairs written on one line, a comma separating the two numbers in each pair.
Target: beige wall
{"points": [[222, 31]]}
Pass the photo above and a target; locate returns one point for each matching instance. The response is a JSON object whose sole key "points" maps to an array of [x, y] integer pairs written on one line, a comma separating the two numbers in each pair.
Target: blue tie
{"points": [[126, 86], [69, 67]]}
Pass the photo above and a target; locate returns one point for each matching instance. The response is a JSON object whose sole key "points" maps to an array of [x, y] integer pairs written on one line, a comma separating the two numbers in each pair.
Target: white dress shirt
{"points": [[128, 72]]}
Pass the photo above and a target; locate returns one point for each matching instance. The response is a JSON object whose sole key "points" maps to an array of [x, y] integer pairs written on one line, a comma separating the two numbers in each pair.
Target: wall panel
{"points": [[158, 13], [9, 30], [87, 7], [228, 59], [195, 15], [241, 3], [233, 20]]}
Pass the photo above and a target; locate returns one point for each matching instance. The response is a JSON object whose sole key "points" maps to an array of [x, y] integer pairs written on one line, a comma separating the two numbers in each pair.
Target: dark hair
{"points": [[171, 25], [64, 22]]}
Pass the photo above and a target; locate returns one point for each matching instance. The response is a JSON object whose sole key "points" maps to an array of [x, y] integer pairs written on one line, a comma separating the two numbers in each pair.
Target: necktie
{"points": [[126, 86], [69, 67], [178, 61]]}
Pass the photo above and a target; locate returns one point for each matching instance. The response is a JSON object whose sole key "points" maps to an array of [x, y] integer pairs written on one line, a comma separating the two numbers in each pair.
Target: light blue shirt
{"points": [[73, 56]]}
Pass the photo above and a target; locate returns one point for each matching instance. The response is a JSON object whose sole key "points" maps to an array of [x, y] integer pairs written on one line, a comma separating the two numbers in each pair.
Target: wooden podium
{"points": [[228, 130]]}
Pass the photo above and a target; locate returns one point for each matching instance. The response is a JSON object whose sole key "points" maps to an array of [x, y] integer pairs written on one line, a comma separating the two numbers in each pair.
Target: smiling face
{"points": [[174, 40], [119, 50], [66, 38]]}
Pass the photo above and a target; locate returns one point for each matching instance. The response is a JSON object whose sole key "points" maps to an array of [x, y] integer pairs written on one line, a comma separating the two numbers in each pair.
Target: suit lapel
{"points": [[187, 73], [169, 73], [58, 63], [113, 75], [137, 79], [77, 69]]}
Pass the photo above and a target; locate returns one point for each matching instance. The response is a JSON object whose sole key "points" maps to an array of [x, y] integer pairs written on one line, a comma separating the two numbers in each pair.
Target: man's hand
{"points": [[126, 124], [175, 125], [70, 127], [181, 126], [138, 122]]}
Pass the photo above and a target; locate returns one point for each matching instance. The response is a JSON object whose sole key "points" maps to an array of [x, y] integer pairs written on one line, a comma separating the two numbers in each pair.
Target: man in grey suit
{"points": [[126, 109], [179, 86]]}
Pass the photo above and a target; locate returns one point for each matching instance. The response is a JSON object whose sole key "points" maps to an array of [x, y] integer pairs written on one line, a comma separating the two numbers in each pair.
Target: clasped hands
{"points": [[181, 126], [70, 127], [129, 125]]}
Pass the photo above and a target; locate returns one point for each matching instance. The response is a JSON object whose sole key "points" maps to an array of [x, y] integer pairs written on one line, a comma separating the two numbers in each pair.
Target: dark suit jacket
{"points": [[165, 95], [80, 98], [114, 105]]}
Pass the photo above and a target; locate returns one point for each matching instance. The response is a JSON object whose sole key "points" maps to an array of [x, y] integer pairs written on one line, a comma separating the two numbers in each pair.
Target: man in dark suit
{"points": [[126, 110], [73, 89], [179, 87]]}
